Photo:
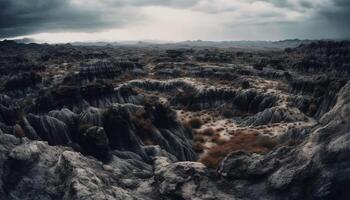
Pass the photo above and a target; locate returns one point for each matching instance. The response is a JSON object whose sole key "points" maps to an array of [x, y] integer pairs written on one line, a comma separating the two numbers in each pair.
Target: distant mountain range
{"points": [[201, 43], [292, 43], [246, 44]]}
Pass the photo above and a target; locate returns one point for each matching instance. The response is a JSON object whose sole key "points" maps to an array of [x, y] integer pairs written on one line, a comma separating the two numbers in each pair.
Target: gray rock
{"points": [[50, 129], [241, 165], [185, 180], [276, 115], [35, 170]]}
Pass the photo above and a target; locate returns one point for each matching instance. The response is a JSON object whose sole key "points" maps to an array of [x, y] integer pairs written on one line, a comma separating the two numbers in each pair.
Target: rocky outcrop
{"points": [[321, 161], [35, 170], [105, 69], [128, 133], [316, 95], [78, 99], [213, 72], [22, 81], [96, 132], [162, 86], [276, 115], [68, 117], [94, 141], [185, 180], [323, 56], [242, 165], [63, 96], [50, 129], [243, 100]]}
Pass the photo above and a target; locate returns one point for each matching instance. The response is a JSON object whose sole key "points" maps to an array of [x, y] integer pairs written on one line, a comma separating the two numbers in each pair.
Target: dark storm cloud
{"points": [[18, 17], [24, 17], [337, 18], [281, 3], [172, 3], [330, 18]]}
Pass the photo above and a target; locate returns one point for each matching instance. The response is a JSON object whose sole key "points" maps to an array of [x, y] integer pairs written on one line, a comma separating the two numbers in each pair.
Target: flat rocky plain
{"points": [[182, 123]]}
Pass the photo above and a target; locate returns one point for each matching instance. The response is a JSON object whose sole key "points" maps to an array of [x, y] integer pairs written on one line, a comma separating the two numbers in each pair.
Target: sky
{"points": [[57, 21]]}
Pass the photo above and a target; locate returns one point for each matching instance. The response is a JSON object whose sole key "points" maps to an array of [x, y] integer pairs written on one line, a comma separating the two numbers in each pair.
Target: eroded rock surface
{"points": [[188, 124]]}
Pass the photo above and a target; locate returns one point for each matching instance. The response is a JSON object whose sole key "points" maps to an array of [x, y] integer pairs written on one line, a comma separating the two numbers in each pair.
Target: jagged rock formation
{"points": [[123, 127], [185, 180], [105, 69], [276, 115], [320, 160], [35, 170], [318, 94], [162, 86], [246, 100], [79, 99], [200, 98], [106, 123], [318, 57], [175, 70], [22, 81]]}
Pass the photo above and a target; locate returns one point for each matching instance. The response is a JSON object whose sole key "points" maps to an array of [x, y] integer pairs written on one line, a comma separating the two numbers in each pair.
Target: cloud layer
{"points": [[176, 19]]}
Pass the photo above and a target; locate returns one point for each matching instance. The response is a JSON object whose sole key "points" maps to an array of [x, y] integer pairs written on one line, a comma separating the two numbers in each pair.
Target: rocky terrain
{"points": [[189, 123]]}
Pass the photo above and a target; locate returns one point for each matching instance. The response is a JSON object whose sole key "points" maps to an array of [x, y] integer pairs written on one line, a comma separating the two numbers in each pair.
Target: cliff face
{"points": [[78, 124]]}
